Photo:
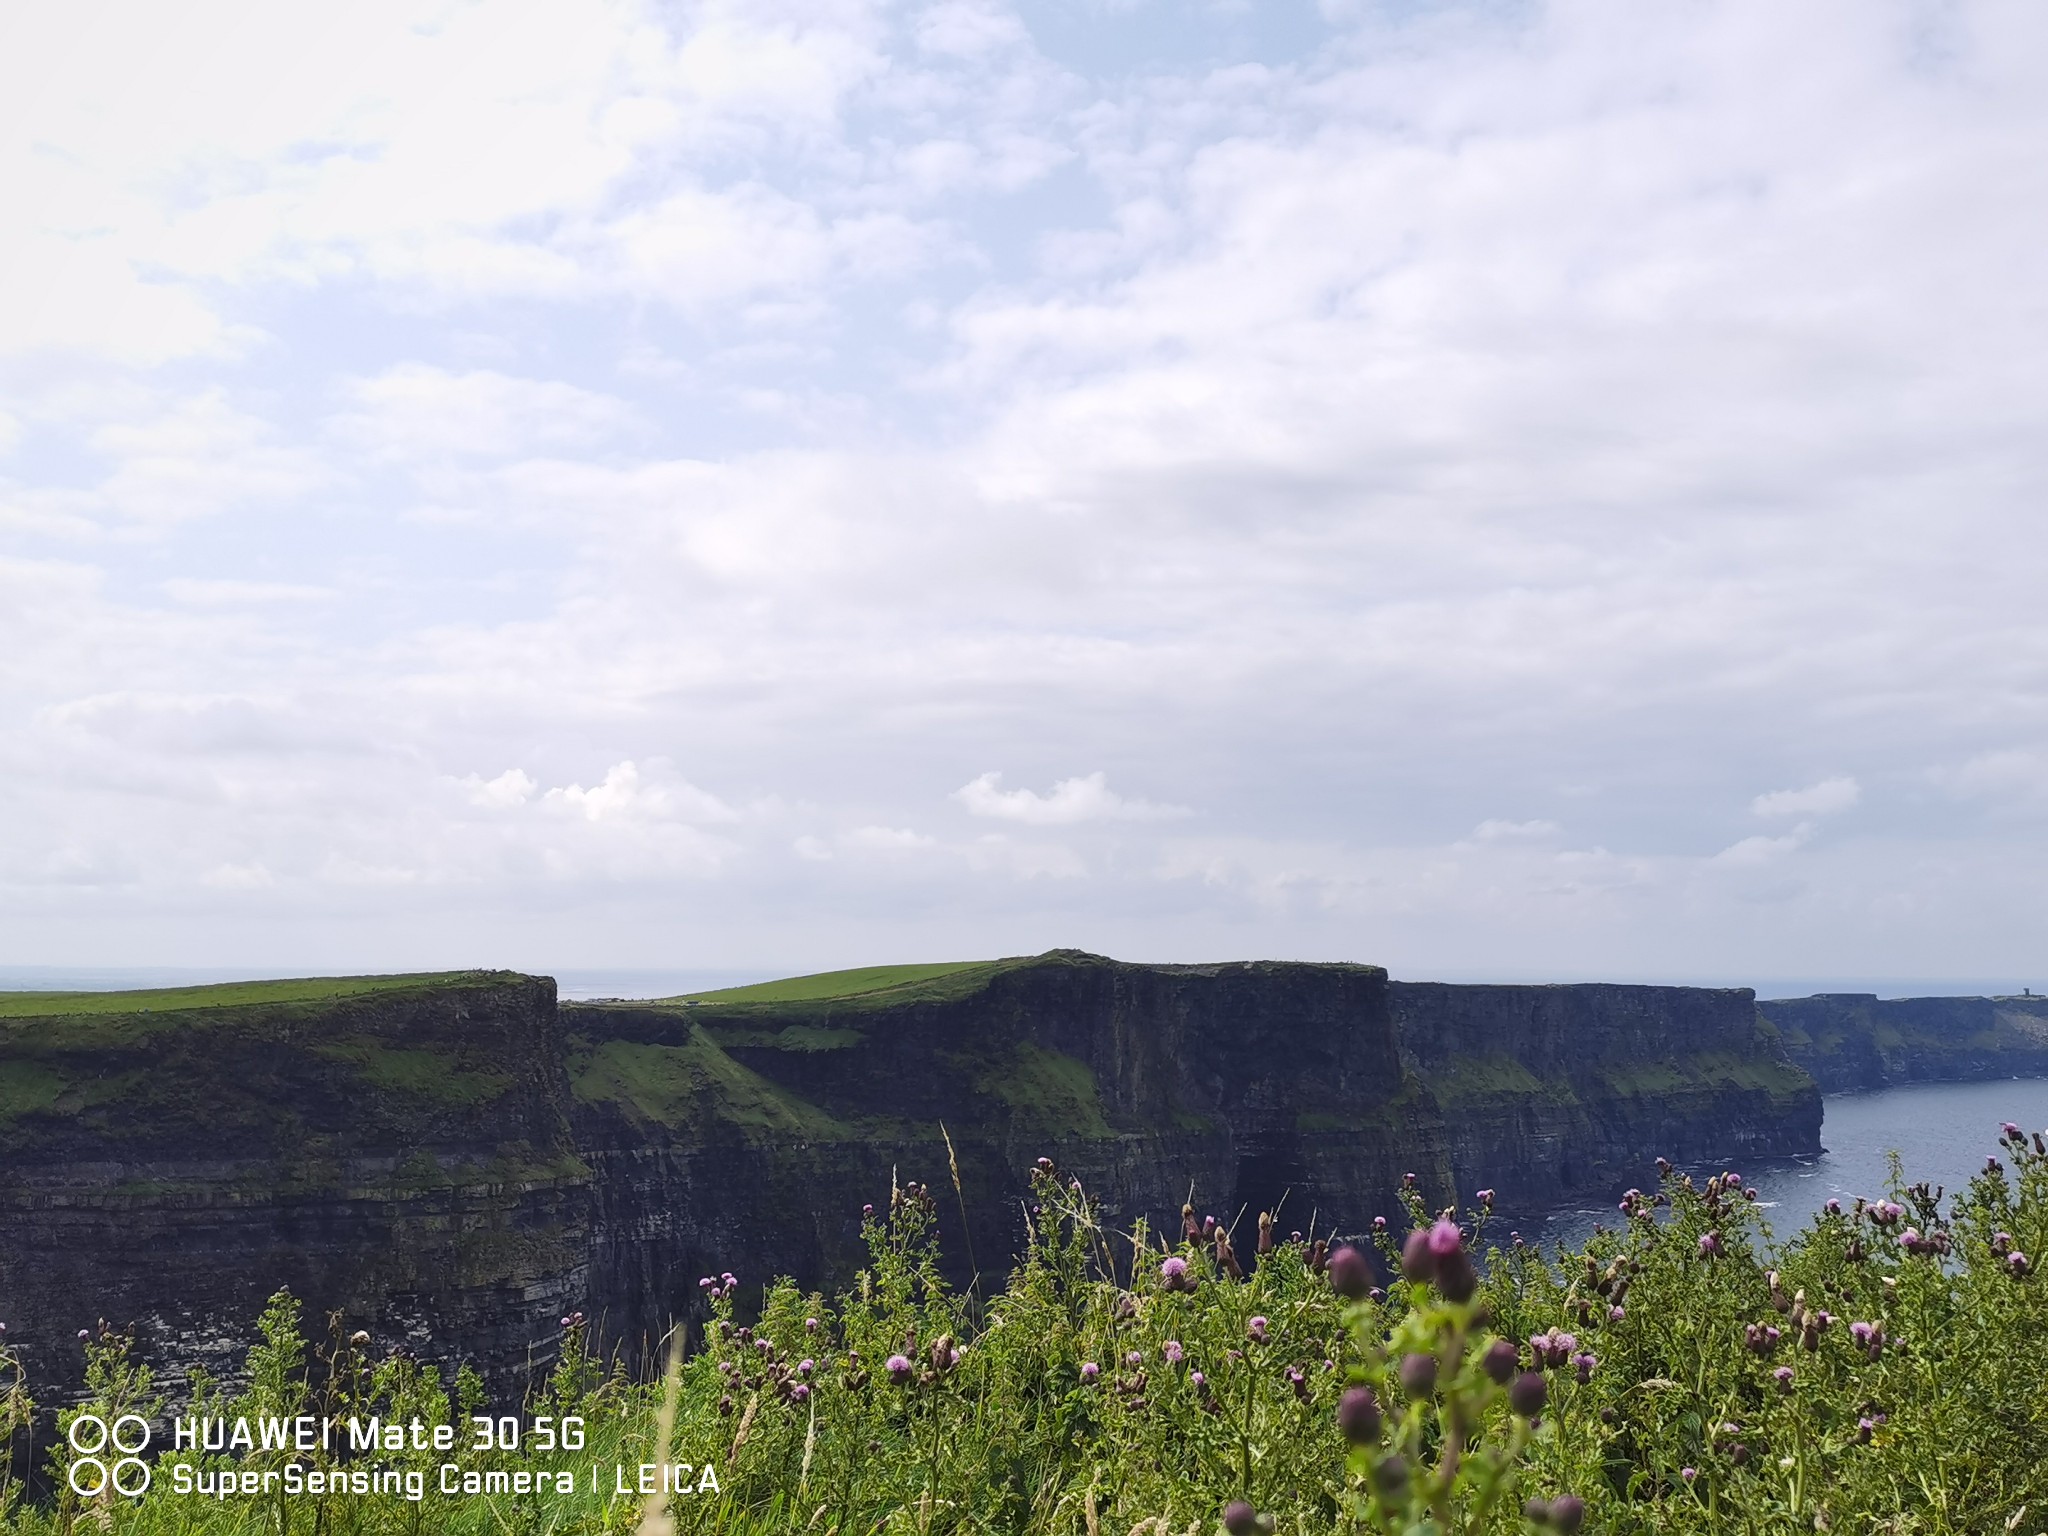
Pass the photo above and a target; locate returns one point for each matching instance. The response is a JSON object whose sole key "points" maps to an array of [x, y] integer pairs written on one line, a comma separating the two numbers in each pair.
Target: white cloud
{"points": [[1751, 851], [1496, 831], [510, 788], [629, 795], [1087, 798], [1822, 799]]}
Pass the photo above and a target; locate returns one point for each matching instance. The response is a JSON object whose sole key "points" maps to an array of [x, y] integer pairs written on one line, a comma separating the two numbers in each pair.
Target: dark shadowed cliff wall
{"points": [[455, 1162], [1854, 1040], [1546, 1090], [406, 1154]]}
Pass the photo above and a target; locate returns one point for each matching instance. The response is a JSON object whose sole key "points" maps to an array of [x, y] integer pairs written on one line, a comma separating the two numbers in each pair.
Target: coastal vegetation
{"points": [[1878, 1370]]}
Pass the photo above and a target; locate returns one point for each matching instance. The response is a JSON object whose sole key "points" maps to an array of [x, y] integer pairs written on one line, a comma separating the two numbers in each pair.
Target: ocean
{"points": [[1942, 1133]]}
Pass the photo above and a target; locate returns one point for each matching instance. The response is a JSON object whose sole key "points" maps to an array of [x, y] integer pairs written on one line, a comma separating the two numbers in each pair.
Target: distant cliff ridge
{"points": [[456, 1161], [1853, 1040]]}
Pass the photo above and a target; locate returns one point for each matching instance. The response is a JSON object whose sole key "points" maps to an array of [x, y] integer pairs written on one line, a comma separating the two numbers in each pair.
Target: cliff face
{"points": [[456, 1162], [1550, 1089], [1855, 1040], [404, 1153]]}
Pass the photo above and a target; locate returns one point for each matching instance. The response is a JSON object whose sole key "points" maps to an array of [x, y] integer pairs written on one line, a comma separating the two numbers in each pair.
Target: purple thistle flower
{"points": [[1585, 1364], [1528, 1393], [810, 1325], [1688, 1473], [2010, 1132], [1710, 1244], [1783, 1376], [1445, 1239], [1239, 1518], [1257, 1329], [1864, 1429], [85, 1333], [1379, 1223], [1616, 1314], [2016, 1263], [1173, 1352], [1197, 1379], [1833, 1207], [805, 1366], [1089, 1371], [1134, 1359], [799, 1393], [898, 1367], [1500, 1360]]}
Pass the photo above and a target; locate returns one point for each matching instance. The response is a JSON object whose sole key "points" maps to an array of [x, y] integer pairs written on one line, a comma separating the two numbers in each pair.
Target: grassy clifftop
{"points": [[303, 1071]]}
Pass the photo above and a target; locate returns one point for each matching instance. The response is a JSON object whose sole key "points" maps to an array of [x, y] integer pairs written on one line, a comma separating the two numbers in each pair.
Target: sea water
{"points": [[1941, 1131]]}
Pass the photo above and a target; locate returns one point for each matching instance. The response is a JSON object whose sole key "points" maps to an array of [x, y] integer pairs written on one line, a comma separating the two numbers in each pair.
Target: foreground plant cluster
{"points": [[1884, 1370]]}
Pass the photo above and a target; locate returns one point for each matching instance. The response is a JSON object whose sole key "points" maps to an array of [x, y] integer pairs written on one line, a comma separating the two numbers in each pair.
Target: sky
{"points": [[1494, 490]]}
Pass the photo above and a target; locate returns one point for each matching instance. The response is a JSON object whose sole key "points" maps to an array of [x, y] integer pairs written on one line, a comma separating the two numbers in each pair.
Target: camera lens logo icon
{"points": [[106, 1453]]}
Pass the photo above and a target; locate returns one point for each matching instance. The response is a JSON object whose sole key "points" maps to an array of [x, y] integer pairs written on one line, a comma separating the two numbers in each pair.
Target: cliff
{"points": [[398, 1146], [455, 1161], [1857, 1040]]}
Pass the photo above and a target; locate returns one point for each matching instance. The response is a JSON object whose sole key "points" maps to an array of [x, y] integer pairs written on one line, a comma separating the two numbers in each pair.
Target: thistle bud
{"points": [[1500, 1360], [1418, 1375], [1239, 1518], [1358, 1416], [1350, 1273], [1528, 1394], [1418, 1260]]}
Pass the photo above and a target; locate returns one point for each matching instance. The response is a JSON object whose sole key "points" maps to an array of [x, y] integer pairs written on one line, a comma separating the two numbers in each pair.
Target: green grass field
{"points": [[828, 985], [232, 994]]}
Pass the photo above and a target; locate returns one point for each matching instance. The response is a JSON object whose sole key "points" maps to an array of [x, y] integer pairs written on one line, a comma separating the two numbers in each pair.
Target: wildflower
{"points": [[1358, 1416], [704, 1284], [1616, 1314], [1173, 1352], [1089, 1371], [1379, 1223], [1710, 1244], [1567, 1513], [1500, 1360], [1783, 1376], [1298, 1379], [1688, 1473], [898, 1367], [1864, 1430], [1484, 1197], [1197, 1379], [1391, 1475], [1418, 1375], [1585, 1364], [1528, 1394], [1992, 1165], [1239, 1518], [1445, 1239], [2010, 1132], [805, 1366], [1350, 1273], [1418, 1260], [810, 1325], [1833, 1207], [1174, 1274], [2017, 1266], [85, 1333], [867, 1210], [1257, 1329], [2001, 1242], [799, 1393]]}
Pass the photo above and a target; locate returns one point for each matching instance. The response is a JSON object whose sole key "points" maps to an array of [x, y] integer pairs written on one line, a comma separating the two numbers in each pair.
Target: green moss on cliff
{"points": [[1708, 1072], [696, 1087], [439, 1075], [1466, 1078], [1047, 1094]]}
